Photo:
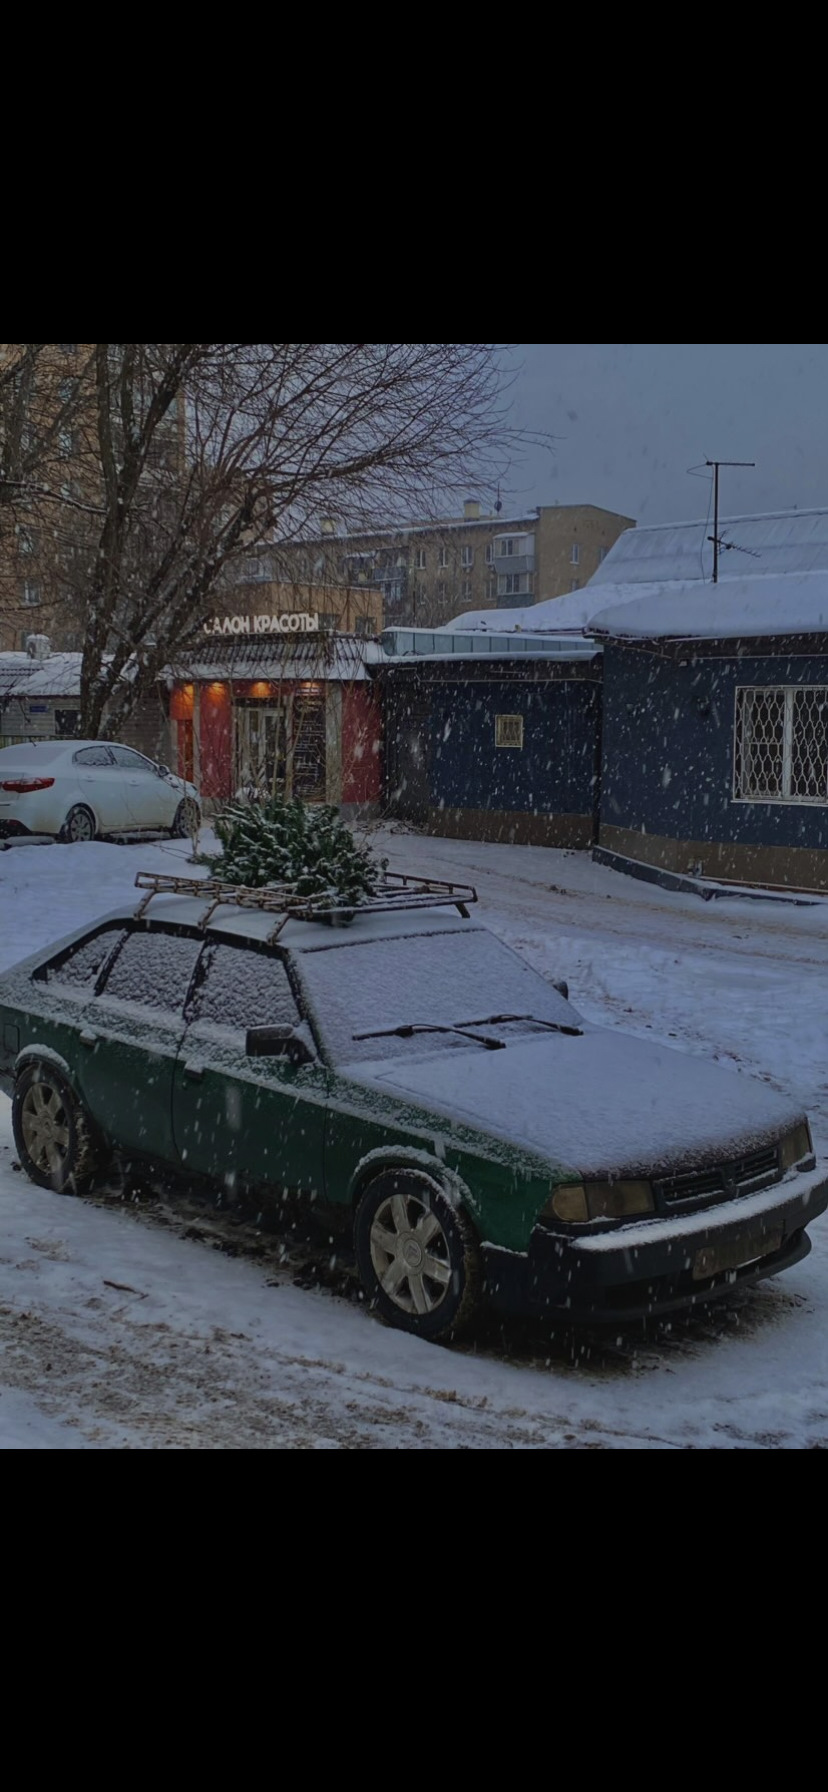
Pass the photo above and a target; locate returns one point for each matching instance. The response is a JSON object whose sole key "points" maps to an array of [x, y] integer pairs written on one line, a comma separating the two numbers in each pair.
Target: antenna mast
{"points": [[716, 464]]}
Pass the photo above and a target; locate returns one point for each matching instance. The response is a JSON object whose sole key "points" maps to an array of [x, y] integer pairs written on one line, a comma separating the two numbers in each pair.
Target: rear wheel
{"points": [[187, 819], [54, 1137], [418, 1256], [79, 825]]}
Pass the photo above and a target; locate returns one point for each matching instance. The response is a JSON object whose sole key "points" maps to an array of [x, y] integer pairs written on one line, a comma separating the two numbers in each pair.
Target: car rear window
{"points": [[244, 988], [79, 967], [153, 969]]}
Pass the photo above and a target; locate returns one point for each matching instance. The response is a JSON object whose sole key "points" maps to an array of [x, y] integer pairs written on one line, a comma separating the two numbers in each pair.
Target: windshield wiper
{"points": [[552, 1026], [406, 1031]]}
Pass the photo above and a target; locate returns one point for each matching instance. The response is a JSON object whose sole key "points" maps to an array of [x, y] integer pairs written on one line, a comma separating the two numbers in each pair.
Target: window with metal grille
{"points": [[781, 744], [508, 731]]}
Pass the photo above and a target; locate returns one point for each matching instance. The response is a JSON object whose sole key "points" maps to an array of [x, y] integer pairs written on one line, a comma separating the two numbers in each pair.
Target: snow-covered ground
{"points": [[117, 1333]]}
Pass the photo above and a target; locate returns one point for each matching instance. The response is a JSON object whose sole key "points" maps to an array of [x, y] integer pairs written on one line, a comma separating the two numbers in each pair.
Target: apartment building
{"points": [[431, 571]]}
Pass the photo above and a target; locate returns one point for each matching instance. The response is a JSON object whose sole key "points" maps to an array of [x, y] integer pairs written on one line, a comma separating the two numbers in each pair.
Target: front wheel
{"points": [[79, 825], [417, 1255], [187, 819], [53, 1134]]}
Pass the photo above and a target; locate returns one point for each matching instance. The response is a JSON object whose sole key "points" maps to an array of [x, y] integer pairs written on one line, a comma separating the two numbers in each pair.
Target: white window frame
{"points": [[420, 559], [575, 555], [443, 558], [788, 692], [467, 556], [490, 553], [509, 731], [32, 594]]}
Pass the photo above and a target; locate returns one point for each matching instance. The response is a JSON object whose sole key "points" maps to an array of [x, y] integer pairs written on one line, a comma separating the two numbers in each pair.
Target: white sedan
{"points": [[78, 789]]}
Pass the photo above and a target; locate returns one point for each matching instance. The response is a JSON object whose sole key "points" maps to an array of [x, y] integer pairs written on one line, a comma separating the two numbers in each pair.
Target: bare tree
{"points": [[207, 452]]}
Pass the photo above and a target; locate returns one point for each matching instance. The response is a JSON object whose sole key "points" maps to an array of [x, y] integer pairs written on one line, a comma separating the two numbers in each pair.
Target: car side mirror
{"points": [[163, 771], [278, 1042]]}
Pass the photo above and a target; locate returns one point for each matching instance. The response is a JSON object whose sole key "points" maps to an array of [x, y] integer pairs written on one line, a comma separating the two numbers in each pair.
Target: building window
{"points": [[328, 620], [466, 588], [441, 592], [28, 541], [31, 593], [467, 556], [365, 625], [66, 723], [420, 559], [781, 744], [489, 553], [574, 584], [68, 348], [575, 554], [506, 545], [508, 731], [602, 554], [66, 443], [511, 584], [443, 557]]}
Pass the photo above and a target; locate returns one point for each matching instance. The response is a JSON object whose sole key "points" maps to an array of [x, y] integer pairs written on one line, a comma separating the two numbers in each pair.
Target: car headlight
{"points": [[796, 1146], [579, 1202]]}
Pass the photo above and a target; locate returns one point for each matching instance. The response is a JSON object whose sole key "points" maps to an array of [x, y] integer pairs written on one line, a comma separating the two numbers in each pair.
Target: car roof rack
{"points": [[393, 891]]}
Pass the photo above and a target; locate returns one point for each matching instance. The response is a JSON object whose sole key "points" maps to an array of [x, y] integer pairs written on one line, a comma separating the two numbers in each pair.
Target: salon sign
{"points": [[294, 622]]}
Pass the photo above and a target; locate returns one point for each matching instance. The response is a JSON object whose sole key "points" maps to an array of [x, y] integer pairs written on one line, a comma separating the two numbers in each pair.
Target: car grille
{"points": [[721, 1182]]}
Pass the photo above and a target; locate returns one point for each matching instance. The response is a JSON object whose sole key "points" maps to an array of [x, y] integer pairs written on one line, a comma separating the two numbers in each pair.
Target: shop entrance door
{"points": [[260, 750]]}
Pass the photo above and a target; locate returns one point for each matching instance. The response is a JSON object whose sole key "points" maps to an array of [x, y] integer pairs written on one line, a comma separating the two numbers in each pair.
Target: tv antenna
{"points": [[716, 464]]}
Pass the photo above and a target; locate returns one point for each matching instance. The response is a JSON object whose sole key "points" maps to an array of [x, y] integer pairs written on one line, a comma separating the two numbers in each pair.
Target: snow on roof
{"points": [[787, 604], [779, 541], [320, 657], [57, 676], [555, 615]]}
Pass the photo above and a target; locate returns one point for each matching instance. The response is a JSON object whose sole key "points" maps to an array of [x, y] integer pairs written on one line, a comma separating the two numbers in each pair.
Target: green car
{"points": [[409, 1075]]}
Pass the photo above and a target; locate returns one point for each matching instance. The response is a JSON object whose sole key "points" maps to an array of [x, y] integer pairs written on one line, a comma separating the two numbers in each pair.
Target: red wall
{"points": [[361, 745], [216, 730]]}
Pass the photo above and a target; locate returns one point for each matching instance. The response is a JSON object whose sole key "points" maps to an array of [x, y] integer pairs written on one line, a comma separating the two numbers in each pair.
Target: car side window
{"points": [[80, 966], [92, 756], [243, 988], [154, 969], [130, 760]]}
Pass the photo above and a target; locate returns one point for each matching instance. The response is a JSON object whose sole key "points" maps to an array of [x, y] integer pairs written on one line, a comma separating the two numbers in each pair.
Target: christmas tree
{"points": [[278, 842]]}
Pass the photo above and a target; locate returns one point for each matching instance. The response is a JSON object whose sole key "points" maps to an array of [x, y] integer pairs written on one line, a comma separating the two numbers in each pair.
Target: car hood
{"points": [[600, 1103]]}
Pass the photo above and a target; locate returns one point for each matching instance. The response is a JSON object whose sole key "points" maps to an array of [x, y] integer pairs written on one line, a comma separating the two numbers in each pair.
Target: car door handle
{"points": [[88, 1038], [195, 1072]]}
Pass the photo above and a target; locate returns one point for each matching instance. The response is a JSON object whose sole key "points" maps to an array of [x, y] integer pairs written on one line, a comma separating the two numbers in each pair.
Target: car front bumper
{"points": [[659, 1265]]}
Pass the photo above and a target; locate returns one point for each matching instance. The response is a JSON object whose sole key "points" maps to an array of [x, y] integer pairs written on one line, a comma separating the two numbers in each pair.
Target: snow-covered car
{"points": [[78, 789], [411, 1076]]}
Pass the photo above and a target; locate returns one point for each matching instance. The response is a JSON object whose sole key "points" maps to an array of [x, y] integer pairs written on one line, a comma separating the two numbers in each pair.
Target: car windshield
{"points": [[388, 998]]}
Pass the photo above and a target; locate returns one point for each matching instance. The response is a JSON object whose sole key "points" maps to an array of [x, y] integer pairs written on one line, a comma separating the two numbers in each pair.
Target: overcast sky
{"points": [[629, 419]]}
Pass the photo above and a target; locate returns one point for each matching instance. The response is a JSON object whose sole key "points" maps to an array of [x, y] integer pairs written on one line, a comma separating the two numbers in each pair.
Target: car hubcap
{"points": [[45, 1128], [80, 828], [410, 1254]]}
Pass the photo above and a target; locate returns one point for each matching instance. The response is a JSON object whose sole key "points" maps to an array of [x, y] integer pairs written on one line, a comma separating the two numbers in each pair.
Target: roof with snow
{"points": [[786, 604], [556, 615], [57, 676], [779, 541]]}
